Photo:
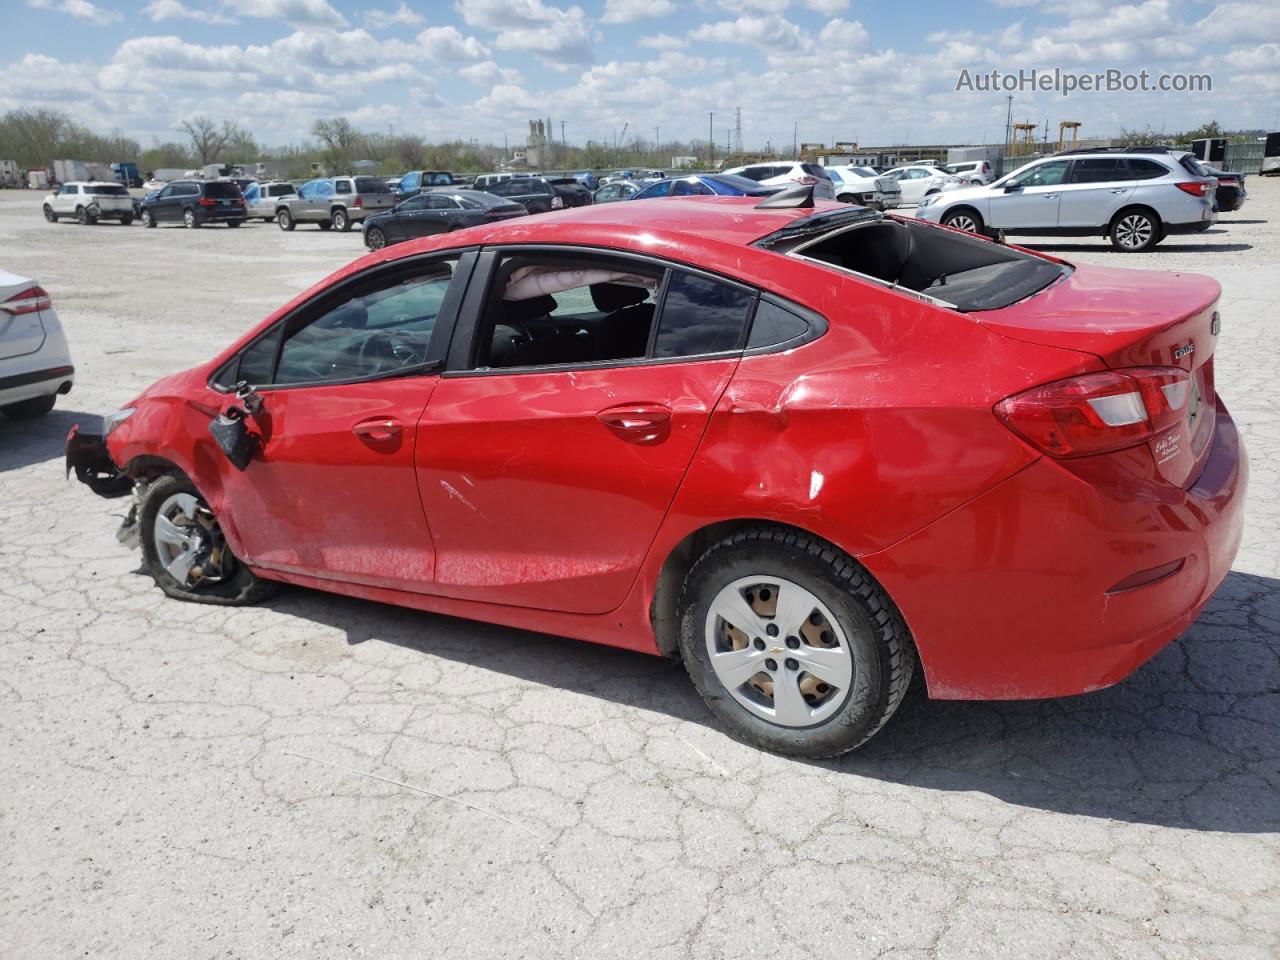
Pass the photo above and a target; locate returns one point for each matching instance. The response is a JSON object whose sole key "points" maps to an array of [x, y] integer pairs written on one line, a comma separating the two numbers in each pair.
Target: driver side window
{"points": [[376, 329], [1045, 175]]}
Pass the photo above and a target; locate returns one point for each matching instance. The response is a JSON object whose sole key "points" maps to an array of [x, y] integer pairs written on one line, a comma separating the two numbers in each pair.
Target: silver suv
{"points": [[335, 202], [1135, 196]]}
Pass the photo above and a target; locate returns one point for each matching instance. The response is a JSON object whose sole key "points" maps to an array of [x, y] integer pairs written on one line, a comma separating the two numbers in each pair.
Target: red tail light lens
{"points": [[1098, 412], [1198, 188], [207, 202], [30, 300], [358, 202]]}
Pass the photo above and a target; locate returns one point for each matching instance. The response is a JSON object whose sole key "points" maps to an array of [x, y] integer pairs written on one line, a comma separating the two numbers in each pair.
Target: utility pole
{"points": [[657, 147], [795, 140], [711, 140], [564, 146]]}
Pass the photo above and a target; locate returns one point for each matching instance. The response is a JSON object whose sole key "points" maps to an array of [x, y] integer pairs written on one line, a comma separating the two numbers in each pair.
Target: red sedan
{"points": [[804, 449]]}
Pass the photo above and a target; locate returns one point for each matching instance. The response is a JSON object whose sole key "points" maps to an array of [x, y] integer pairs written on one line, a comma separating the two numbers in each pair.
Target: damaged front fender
{"points": [[87, 455]]}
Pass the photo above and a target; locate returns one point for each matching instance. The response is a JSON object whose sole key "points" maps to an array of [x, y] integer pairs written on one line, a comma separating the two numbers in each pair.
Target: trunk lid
{"points": [[1134, 318]]}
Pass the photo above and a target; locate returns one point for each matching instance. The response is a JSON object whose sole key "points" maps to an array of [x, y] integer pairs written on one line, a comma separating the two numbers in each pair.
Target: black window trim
{"points": [[463, 349], [441, 334]]}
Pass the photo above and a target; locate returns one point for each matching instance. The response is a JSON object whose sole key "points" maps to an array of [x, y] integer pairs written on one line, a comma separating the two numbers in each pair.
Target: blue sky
{"points": [[847, 69]]}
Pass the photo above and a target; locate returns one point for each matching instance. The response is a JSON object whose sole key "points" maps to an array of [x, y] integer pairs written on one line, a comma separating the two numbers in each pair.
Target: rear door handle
{"points": [[1050, 196], [1121, 190], [637, 422], [378, 429]]}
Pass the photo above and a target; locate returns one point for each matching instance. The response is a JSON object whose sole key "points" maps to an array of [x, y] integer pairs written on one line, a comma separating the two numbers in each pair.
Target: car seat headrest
{"points": [[522, 311], [609, 297]]}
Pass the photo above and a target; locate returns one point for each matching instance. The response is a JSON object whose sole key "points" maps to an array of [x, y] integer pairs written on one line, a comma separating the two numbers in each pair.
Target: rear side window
{"points": [[773, 325], [701, 315], [1140, 169], [1097, 170], [1193, 166], [342, 186], [813, 170]]}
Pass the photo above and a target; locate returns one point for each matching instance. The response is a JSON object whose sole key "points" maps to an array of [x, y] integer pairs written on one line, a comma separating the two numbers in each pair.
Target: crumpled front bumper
{"points": [[87, 455]]}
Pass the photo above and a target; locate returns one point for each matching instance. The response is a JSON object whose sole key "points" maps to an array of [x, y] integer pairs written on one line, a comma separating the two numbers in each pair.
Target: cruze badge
{"points": [[1183, 350]]}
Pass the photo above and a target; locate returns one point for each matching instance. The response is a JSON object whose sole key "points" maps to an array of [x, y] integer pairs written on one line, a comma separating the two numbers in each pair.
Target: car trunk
{"points": [[21, 328], [1112, 314]]}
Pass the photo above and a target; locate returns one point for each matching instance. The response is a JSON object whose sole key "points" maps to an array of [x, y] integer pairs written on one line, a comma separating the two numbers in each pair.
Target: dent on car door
{"points": [[343, 381], [552, 448]]}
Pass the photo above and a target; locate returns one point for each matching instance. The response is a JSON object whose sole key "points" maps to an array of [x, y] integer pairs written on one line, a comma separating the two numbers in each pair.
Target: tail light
{"points": [[207, 202], [358, 202], [1098, 412], [30, 300], [1198, 188], [804, 180]]}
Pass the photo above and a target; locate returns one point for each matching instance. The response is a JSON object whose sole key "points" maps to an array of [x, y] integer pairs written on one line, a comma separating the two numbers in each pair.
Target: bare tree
{"points": [[339, 137], [207, 139]]}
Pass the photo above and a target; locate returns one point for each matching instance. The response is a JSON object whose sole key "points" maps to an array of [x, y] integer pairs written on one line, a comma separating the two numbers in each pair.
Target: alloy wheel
{"points": [[376, 239], [779, 651], [1134, 231], [189, 543], [962, 221]]}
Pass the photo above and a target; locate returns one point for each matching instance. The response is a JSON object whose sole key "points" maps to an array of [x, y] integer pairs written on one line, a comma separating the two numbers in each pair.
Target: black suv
{"points": [[195, 203], [534, 193]]}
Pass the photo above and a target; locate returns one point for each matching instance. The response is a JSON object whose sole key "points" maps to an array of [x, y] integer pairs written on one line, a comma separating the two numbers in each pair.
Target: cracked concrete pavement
{"points": [[190, 782]]}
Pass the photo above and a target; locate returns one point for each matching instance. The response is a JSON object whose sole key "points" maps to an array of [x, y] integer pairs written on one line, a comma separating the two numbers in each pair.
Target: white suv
{"points": [[1136, 197], [89, 201], [973, 172], [920, 180], [35, 364], [789, 173]]}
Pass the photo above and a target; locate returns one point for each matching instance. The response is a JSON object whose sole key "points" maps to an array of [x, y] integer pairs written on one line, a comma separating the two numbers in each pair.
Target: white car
{"points": [[973, 173], [789, 173], [89, 201], [920, 180], [864, 186], [35, 364]]}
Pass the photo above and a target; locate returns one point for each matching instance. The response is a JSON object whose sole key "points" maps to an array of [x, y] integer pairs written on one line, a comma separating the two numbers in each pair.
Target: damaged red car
{"points": [[807, 449]]}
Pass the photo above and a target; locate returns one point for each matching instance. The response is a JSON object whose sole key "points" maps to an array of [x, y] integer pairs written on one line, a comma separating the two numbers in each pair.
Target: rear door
{"points": [[1031, 199], [1095, 189], [343, 381], [554, 444]]}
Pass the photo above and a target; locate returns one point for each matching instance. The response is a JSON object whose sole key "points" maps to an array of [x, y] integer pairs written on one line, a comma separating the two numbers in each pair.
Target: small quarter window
{"points": [[773, 325]]}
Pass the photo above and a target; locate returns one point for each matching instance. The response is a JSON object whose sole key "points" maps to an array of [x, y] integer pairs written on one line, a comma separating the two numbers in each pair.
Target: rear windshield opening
{"points": [[106, 190], [967, 272], [223, 189]]}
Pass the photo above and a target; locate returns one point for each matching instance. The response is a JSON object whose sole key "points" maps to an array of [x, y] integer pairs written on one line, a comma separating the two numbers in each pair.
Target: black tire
{"points": [[1135, 230], [234, 223], [241, 588], [49, 214], [285, 221], [148, 220], [126, 220], [325, 224], [375, 239], [880, 644], [29, 409], [849, 198], [957, 217], [82, 216], [92, 212], [189, 219], [341, 222]]}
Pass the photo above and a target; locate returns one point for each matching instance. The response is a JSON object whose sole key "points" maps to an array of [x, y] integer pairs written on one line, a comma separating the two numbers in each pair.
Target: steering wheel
{"points": [[388, 351]]}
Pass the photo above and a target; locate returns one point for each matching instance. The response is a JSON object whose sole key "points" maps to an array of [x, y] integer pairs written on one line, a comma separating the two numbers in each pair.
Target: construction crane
{"points": [[1027, 132], [1074, 127]]}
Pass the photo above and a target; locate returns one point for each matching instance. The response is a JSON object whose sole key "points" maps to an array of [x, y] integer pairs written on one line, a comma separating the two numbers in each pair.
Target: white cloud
{"points": [[402, 16], [80, 9], [559, 37], [447, 43], [298, 13], [161, 10], [629, 11], [844, 35], [829, 7], [662, 41], [768, 34], [1240, 22], [487, 73]]}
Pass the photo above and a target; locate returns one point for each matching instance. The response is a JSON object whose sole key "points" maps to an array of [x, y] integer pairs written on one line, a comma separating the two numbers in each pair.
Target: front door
{"points": [[343, 382], [548, 457], [1030, 200]]}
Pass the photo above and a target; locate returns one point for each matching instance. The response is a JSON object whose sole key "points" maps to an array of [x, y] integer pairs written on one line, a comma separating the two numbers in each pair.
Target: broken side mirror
{"points": [[230, 428]]}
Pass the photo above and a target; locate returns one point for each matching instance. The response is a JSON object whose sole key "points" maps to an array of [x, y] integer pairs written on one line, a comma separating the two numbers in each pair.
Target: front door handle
{"points": [[1121, 190], [379, 429], [638, 422], [1050, 196]]}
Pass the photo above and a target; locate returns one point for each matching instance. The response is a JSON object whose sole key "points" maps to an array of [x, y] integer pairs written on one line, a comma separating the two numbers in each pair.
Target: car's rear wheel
{"points": [[148, 220], [284, 220], [27, 409], [49, 214], [1133, 231], [375, 239], [82, 216], [234, 223], [189, 218], [185, 552], [127, 220], [792, 644], [325, 224], [341, 221], [964, 218]]}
